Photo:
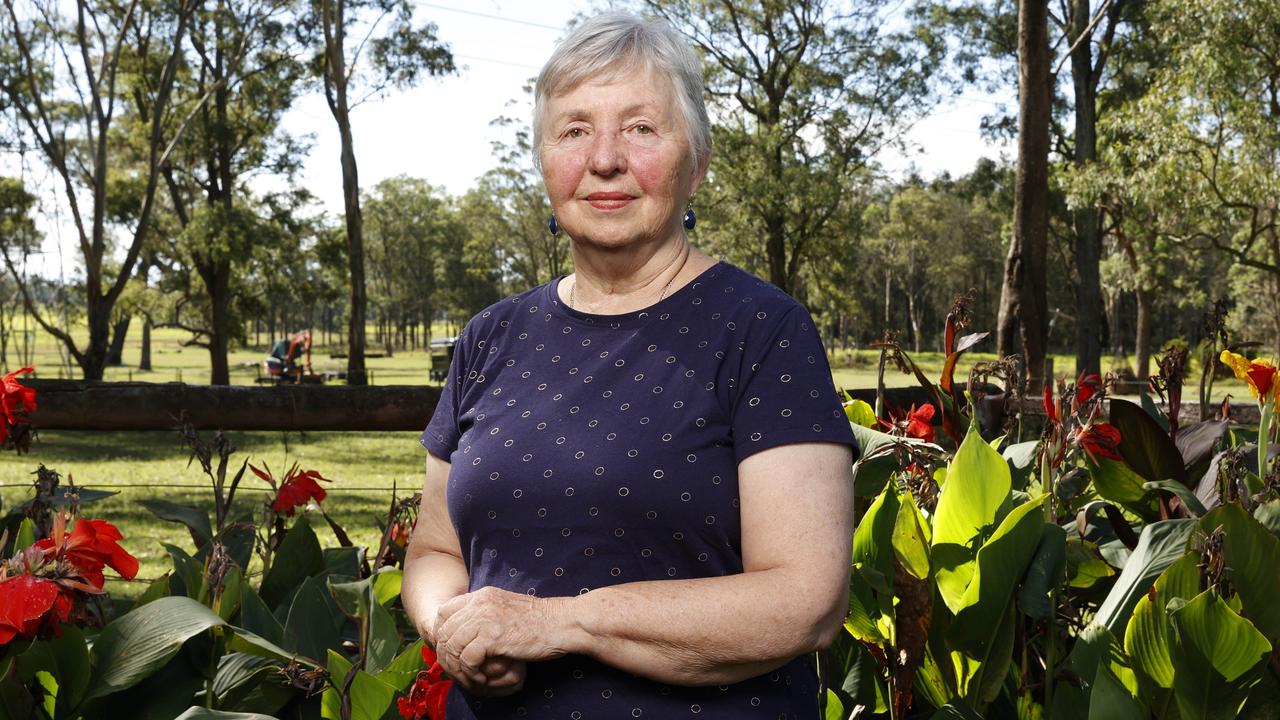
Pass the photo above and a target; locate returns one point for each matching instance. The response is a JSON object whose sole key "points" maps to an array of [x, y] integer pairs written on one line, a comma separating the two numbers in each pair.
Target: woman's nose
{"points": [[608, 156]]}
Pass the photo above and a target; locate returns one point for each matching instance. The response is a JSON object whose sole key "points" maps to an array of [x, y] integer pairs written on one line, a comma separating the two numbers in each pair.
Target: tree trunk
{"points": [[914, 312], [145, 362], [218, 282], [1087, 221], [1025, 267], [118, 332], [1142, 343]]}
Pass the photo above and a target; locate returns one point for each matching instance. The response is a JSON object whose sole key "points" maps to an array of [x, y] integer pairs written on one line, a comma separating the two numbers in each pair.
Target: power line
{"points": [[491, 17], [498, 62]]}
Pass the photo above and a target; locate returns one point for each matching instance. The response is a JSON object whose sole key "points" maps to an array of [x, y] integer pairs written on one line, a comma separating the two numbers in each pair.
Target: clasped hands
{"points": [[484, 639]]}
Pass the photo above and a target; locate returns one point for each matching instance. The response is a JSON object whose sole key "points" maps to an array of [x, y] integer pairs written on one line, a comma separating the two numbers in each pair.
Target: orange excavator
{"points": [[290, 360]]}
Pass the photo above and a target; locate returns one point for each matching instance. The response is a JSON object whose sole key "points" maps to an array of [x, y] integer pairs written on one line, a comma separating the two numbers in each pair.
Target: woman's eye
{"points": [[644, 129], [574, 133]]}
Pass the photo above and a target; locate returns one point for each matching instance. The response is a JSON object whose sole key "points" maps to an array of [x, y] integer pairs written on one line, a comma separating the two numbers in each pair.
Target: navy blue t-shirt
{"points": [[594, 450]]}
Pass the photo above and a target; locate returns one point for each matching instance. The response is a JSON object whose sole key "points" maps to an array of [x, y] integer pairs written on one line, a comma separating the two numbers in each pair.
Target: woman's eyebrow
{"points": [[640, 108]]}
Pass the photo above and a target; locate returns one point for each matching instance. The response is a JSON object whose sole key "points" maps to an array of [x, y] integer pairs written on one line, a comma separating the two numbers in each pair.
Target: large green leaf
{"points": [[1217, 657], [1159, 545], [160, 696], [60, 665], [1092, 647], [835, 708], [199, 713], [299, 557], [26, 534], [1269, 515], [911, 539], [1144, 445], [1188, 498], [1113, 699], [872, 470], [188, 574], [249, 683], [257, 618], [381, 640], [1022, 461], [981, 676], [1044, 574], [873, 542], [1000, 566], [973, 502], [1251, 554], [1147, 637], [197, 521], [1117, 482], [369, 696], [241, 640], [314, 623], [400, 672], [135, 645], [387, 583]]}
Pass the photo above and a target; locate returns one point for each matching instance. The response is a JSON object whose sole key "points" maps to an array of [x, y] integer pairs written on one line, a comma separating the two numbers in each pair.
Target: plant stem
{"points": [[1264, 437]]}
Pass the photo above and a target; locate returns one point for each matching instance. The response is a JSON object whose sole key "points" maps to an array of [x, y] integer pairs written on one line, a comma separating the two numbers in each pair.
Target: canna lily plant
{"points": [[1260, 375], [1105, 568]]}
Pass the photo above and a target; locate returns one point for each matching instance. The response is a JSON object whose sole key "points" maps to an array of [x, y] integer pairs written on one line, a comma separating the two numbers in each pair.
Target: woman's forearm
{"points": [[707, 631], [430, 580]]}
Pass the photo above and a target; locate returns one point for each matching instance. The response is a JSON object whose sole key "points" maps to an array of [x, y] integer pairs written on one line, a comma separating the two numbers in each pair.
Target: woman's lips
{"points": [[609, 200]]}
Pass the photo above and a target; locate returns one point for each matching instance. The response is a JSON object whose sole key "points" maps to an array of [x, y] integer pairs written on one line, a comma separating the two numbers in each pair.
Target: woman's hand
{"points": [[484, 638]]}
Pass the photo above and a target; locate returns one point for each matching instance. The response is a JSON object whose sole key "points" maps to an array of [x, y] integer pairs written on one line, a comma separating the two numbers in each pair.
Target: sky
{"points": [[440, 130]]}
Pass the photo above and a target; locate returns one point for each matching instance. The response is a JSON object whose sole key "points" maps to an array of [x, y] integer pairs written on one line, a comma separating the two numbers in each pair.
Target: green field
{"points": [[364, 468]]}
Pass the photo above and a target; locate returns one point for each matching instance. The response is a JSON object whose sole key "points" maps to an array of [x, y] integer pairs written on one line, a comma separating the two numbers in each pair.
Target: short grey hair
{"points": [[615, 41]]}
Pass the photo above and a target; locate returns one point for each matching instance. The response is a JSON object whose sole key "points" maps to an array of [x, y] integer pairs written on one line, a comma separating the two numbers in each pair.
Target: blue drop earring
{"points": [[689, 218], [553, 226]]}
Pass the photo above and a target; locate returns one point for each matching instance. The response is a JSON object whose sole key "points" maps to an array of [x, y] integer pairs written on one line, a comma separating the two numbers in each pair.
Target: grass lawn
{"points": [[363, 466]]}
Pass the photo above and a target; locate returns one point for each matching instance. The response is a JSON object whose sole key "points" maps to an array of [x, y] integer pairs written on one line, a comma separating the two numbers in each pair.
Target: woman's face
{"points": [[616, 160]]}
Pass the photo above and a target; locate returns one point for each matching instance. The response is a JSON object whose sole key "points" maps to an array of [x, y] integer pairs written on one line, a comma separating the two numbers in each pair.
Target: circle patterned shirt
{"points": [[594, 450]]}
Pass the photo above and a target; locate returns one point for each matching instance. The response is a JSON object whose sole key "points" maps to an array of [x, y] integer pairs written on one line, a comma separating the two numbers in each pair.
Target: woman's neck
{"points": [[622, 282]]}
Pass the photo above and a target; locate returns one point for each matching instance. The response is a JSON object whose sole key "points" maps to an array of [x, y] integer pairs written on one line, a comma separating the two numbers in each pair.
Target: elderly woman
{"points": [[638, 494]]}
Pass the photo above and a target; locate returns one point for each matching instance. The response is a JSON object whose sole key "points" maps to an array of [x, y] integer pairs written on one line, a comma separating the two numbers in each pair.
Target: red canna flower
{"points": [[16, 401], [296, 490], [429, 693], [1086, 387], [916, 423], [1259, 374], [1050, 408], [1100, 439], [28, 604], [91, 546]]}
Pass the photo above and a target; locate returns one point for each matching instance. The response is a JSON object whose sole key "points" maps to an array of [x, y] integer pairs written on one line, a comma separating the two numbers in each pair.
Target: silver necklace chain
{"points": [[661, 297], [573, 288]]}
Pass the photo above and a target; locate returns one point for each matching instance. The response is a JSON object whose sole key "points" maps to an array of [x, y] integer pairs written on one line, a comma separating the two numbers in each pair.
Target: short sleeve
{"points": [[443, 431], [785, 392]]}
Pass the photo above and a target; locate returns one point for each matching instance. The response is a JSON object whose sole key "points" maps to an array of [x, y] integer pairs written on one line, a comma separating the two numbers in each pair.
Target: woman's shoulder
{"points": [[747, 292], [500, 313]]}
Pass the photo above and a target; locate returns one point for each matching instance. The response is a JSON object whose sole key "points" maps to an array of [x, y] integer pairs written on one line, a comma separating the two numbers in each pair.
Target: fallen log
{"points": [[85, 405]]}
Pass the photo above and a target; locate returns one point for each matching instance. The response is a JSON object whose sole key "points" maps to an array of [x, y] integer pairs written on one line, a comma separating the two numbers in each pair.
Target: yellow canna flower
{"points": [[1259, 374]]}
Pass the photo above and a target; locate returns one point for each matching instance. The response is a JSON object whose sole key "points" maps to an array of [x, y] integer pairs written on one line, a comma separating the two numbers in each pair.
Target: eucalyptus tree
{"points": [[64, 71], [363, 48], [19, 237], [804, 95], [1086, 52], [408, 226], [508, 210], [1206, 134], [239, 77]]}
